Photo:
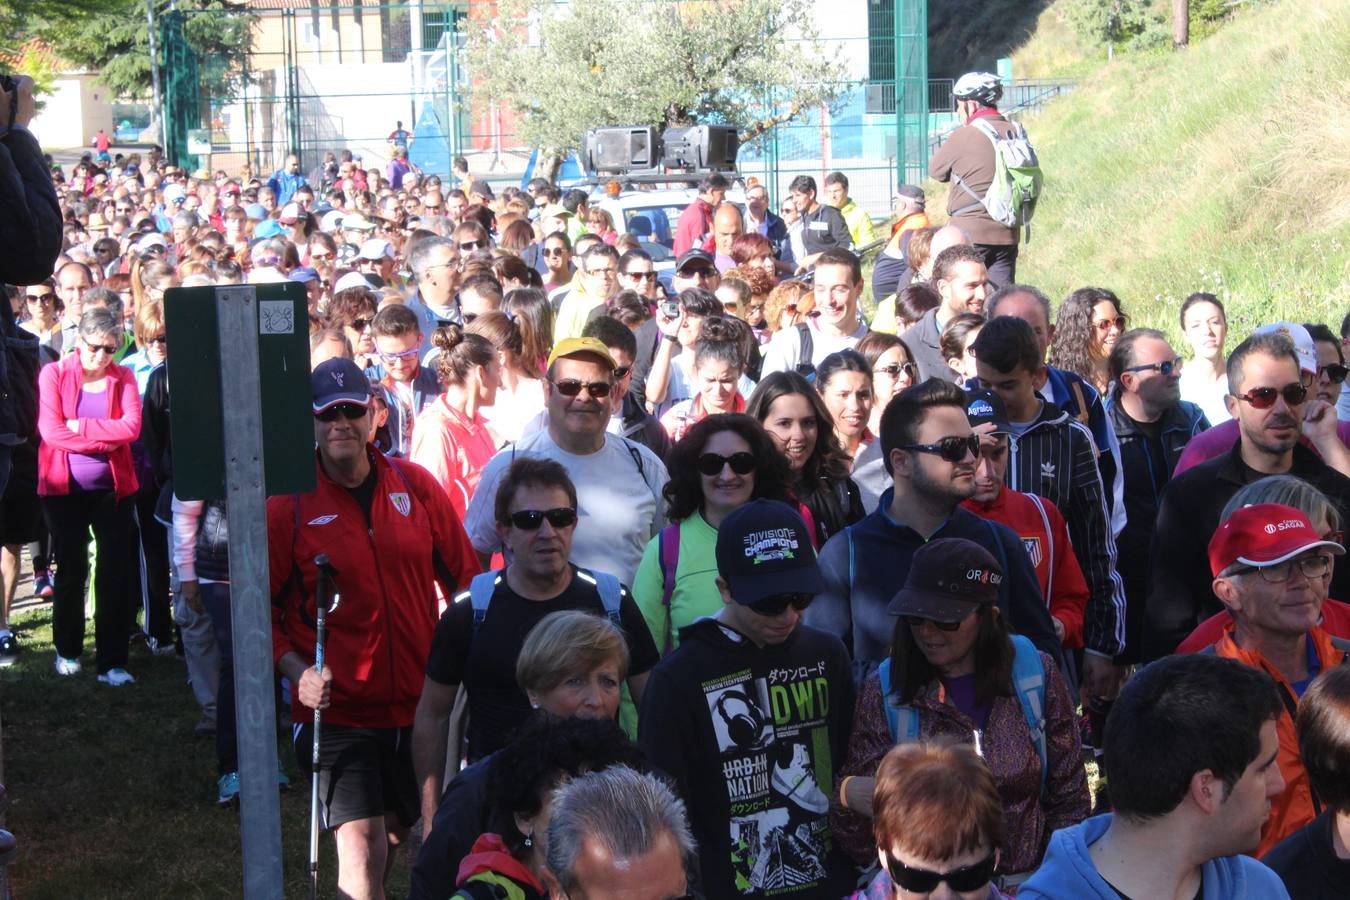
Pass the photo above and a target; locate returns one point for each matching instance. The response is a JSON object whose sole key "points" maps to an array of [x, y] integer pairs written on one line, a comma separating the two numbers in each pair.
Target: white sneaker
{"points": [[117, 677], [67, 666], [798, 783]]}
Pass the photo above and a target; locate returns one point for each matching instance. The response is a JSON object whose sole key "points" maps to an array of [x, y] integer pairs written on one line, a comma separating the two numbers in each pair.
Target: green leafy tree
{"points": [[1115, 22], [115, 42], [565, 68]]}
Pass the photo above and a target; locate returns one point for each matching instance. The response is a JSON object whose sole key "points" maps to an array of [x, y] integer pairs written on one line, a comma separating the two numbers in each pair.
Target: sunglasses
{"points": [[775, 604], [553, 251], [95, 349], [349, 411], [894, 369], [1104, 325], [1335, 373], [1264, 398], [711, 464], [470, 245], [642, 276], [916, 621], [952, 449], [922, 881], [531, 519], [622, 372], [157, 339], [571, 387], [41, 298], [360, 324], [1166, 367], [700, 272]]}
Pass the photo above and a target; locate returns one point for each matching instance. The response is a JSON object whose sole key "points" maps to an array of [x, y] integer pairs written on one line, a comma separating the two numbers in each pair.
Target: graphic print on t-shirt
{"points": [[774, 743]]}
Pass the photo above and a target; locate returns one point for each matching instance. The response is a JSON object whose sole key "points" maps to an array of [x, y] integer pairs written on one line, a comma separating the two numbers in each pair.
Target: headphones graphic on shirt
{"points": [[743, 727]]}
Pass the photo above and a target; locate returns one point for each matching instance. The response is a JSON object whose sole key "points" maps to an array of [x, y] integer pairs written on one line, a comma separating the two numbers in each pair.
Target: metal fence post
{"points": [[250, 608]]}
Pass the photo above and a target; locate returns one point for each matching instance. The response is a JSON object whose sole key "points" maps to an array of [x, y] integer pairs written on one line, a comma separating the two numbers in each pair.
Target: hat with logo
{"points": [[984, 407], [337, 381], [692, 256], [1303, 342], [948, 580], [583, 346], [1265, 534], [764, 549]]}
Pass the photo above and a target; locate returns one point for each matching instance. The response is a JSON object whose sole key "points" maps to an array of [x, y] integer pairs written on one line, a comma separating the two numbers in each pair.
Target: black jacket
{"points": [[752, 737], [1147, 464], [30, 215], [1181, 595]]}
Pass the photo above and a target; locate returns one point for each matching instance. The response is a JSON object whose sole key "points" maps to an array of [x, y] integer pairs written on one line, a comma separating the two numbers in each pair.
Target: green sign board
{"points": [[197, 394]]}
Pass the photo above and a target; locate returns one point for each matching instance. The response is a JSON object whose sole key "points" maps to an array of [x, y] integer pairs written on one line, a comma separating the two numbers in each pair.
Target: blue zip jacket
{"points": [[866, 564], [1068, 873]]}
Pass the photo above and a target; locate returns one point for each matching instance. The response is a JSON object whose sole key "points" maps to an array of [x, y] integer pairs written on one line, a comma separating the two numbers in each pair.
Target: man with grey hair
{"points": [[435, 303], [618, 833], [1268, 399]]}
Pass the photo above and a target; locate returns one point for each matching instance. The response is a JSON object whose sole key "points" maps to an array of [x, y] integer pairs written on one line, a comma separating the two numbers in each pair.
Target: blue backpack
{"points": [[1028, 682], [611, 594]]}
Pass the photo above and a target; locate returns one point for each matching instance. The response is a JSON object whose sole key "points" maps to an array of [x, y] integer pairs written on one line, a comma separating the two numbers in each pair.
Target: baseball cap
{"points": [[553, 210], [376, 248], [331, 220], [151, 241], [289, 213], [911, 192], [582, 346], [174, 193], [690, 256], [337, 381], [351, 280], [268, 228], [1303, 342], [763, 549], [357, 222], [255, 211], [948, 580], [479, 186], [230, 188], [1264, 535], [984, 407], [304, 274]]}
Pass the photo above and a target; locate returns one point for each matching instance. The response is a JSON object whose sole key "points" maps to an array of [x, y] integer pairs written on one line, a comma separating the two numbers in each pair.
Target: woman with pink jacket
{"points": [[89, 413]]}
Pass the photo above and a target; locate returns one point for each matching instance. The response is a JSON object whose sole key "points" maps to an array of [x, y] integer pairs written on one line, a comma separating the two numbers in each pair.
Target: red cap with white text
{"points": [[1265, 534]]}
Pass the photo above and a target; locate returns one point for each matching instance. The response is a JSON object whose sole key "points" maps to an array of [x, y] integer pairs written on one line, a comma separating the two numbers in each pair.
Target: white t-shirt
{"points": [[784, 352], [618, 507], [513, 411], [1206, 394]]}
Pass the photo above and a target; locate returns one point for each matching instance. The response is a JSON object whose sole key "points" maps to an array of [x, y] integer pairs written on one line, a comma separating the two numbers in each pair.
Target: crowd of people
{"points": [[725, 590]]}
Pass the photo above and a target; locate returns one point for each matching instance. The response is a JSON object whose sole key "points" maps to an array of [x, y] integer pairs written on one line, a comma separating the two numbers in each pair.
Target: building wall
{"points": [[75, 110]]}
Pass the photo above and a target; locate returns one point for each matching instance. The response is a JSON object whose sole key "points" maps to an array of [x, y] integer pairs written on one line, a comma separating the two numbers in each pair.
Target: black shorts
{"points": [[21, 519], [363, 772]]}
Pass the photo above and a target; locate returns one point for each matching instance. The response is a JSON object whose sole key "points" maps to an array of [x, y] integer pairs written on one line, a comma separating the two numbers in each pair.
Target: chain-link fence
{"points": [[346, 75]]}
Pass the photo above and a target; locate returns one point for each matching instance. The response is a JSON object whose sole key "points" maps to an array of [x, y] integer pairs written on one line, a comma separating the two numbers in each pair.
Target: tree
{"points": [[1181, 23], [564, 68], [115, 44]]}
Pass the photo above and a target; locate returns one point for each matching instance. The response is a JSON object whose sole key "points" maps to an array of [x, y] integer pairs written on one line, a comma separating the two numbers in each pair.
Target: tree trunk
{"points": [[1181, 23], [550, 161]]}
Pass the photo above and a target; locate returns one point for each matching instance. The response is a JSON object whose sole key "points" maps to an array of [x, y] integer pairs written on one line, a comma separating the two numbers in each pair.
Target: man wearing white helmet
{"points": [[966, 159]]}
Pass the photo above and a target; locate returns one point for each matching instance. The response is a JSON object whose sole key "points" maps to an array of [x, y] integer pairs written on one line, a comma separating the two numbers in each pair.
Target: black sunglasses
{"points": [[553, 251], [894, 369], [361, 324], [531, 519], [1335, 373], [916, 621], [742, 463], [1166, 367], [622, 372], [349, 411], [39, 298], [774, 605], [952, 449], [1264, 397], [470, 245], [571, 387], [642, 276], [922, 881]]}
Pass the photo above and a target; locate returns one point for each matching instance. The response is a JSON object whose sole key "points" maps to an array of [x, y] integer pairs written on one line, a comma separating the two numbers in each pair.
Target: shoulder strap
{"points": [[636, 454], [481, 589], [611, 595], [1029, 681], [1049, 548], [901, 719], [669, 546], [807, 349], [1076, 387]]}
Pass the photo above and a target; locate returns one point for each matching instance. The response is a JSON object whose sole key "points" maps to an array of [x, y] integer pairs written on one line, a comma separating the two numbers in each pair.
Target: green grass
{"points": [[111, 796], [1221, 168]]}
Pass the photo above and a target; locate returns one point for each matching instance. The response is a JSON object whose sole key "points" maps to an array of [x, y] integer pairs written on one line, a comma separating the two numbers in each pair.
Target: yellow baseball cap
{"points": [[582, 346]]}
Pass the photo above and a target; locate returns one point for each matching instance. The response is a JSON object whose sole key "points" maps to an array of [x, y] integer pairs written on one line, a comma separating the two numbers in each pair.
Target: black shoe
{"points": [[9, 649]]}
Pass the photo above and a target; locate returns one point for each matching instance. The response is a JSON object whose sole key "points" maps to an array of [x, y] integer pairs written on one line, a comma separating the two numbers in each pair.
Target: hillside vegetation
{"points": [[1224, 167]]}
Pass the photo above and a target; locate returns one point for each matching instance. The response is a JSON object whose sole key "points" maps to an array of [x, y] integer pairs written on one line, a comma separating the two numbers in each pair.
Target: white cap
{"points": [[331, 220], [150, 241], [376, 248], [1303, 342], [174, 192], [352, 280]]}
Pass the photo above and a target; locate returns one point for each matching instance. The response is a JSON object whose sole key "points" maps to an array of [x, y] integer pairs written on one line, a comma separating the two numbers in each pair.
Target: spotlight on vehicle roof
{"points": [[700, 147], [620, 148]]}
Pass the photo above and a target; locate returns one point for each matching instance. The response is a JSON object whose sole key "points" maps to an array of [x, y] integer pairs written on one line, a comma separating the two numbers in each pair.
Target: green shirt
{"points": [[696, 593]]}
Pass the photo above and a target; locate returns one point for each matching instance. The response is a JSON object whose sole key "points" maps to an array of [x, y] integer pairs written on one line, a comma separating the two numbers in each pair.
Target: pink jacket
{"points": [[58, 394]]}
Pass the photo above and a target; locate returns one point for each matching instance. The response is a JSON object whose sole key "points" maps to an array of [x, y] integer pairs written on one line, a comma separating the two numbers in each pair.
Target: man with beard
{"points": [[1268, 400], [931, 452]]}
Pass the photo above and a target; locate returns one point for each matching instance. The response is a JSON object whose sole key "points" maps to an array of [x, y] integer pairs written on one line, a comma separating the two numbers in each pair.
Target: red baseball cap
{"points": [[1264, 535]]}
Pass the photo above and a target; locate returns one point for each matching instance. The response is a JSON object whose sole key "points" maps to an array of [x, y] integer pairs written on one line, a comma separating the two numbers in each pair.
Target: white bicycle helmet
{"points": [[982, 87]]}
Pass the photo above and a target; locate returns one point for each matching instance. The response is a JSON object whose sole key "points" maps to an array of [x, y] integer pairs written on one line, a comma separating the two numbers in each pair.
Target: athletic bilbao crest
{"points": [[1033, 545], [401, 502]]}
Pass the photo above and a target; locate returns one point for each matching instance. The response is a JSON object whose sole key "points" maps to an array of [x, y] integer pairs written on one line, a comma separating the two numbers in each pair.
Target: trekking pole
{"points": [[321, 609]]}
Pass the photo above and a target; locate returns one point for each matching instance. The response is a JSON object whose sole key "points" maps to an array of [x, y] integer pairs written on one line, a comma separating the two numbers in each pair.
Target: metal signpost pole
{"points": [[250, 606]]}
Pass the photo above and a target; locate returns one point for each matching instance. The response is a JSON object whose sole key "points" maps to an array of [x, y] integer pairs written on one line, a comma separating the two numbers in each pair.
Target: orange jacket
{"points": [[1294, 808]]}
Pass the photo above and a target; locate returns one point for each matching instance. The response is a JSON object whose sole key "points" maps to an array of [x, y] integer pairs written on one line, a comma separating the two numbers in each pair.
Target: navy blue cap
{"points": [[339, 381], [984, 407], [948, 580], [304, 274], [764, 549], [690, 256]]}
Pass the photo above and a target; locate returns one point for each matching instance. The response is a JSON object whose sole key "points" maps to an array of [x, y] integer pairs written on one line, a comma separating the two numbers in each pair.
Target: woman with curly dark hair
{"points": [[1090, 322], [801, 427], [722, 462]]}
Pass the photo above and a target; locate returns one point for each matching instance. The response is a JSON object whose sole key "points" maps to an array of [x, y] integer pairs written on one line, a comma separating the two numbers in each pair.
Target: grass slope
{"points": [[1220, 168]]}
